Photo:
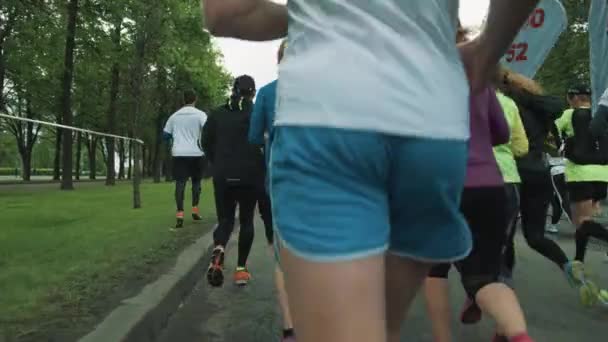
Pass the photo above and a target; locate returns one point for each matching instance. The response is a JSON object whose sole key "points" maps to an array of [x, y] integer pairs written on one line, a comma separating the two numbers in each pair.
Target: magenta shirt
{"points": [[489, 128]]}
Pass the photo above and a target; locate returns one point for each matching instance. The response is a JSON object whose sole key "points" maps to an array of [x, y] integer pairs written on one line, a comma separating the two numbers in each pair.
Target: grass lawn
{"points": [[67, 258]]}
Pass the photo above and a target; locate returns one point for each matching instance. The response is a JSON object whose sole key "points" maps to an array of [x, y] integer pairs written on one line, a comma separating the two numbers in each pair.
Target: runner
{"points": [[490, 208], [183, 129], [345, 152], [538, 112], [587, 182], [260, 133], [238, 171]]}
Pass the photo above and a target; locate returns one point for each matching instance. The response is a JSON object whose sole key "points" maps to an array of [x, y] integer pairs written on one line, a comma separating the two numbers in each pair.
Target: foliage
{"points": [[568, 62], [175, 48]]}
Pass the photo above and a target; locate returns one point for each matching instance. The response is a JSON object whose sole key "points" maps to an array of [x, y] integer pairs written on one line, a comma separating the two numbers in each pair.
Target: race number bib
{"points": [[598, 42], [536, 38]]}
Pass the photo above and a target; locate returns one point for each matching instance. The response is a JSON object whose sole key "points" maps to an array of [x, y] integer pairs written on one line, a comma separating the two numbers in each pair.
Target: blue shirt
{"points": [[262, 117]]}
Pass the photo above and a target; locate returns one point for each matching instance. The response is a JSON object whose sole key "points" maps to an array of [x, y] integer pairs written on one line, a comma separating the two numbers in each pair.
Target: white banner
{"points": [[598, 43], [536, 38]]}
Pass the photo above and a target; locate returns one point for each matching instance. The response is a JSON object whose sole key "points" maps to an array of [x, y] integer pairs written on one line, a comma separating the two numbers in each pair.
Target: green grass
{"points": [[66, 258]]}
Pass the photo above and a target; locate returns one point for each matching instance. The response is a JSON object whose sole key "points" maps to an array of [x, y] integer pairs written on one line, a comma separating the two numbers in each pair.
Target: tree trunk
{"points": [[130, 161], [92, 153], [66, 98], [26, 163], [57, 161], [114, 88], [78, 154], [137, 176], [121, 159]]}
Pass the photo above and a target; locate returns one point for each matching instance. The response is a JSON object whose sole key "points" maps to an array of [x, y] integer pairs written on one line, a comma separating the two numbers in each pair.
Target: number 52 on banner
{"points": [[536, 38]]}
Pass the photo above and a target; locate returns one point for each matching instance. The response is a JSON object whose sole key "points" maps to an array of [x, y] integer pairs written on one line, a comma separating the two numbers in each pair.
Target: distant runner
{"points": [[183, 129]]}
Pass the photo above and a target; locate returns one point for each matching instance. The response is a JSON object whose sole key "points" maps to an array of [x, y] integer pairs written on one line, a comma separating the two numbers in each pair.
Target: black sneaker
{"points": [[196, 217], [215, 272], [180, 219]]}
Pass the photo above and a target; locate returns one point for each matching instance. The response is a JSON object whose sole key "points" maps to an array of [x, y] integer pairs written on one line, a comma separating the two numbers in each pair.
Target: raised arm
{"points": [[499, 128], [482, 54], [256, 20]]}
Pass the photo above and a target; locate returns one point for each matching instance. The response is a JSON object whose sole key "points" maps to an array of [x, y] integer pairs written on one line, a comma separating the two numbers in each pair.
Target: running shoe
{"points": [[215, 272], [196, 214], [471, 313], [180, 219], [551, 228], [499, 338], [242, 276], [579, 278]]}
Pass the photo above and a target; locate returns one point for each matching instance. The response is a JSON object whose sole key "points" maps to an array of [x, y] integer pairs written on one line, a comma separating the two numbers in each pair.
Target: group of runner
{"points": [[372, 95]]}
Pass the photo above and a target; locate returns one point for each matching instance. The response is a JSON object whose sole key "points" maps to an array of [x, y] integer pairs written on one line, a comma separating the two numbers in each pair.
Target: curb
{"points": [[142, 318]]}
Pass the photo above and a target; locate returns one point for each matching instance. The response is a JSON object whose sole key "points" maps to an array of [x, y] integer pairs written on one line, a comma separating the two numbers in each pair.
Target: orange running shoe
{"points": [[180, 219], [196, 214], [242, 276]]}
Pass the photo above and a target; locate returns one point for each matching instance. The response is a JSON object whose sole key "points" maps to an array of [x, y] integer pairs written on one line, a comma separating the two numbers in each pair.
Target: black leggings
{"points": [[536, 194], [180, 189], [227, 196], [587, 230], [484, 210], [265, 208], [512, 191], [560, 201]]}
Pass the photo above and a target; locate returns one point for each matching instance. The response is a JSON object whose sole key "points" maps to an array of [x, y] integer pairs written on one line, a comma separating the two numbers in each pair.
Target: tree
{"points": [[568, 62], [66, 98]]}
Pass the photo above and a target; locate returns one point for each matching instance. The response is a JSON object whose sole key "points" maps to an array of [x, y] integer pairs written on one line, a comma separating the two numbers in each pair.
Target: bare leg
{"points": [[338, 301], [500, 302], [582, 211], [403, 280], [279, 280], [436, 293]]}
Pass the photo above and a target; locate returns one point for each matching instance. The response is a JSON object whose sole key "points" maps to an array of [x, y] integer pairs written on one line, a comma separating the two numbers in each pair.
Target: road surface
{"points": [[231, 314]]}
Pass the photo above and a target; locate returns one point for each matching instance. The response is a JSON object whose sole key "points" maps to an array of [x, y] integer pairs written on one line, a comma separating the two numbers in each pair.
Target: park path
{"points": [[231, 314]]}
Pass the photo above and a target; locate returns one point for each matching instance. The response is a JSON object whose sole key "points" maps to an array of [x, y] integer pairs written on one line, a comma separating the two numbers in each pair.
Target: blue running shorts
{"points": [[340, 195]]}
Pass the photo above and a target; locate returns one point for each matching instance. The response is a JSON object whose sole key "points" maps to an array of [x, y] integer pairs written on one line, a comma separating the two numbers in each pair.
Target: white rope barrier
{"points": [[82, 130]]}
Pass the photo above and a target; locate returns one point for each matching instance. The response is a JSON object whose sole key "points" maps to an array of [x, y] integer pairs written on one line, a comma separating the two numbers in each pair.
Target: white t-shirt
{"points": [[604, 99], [185, 127], [387, 66]]}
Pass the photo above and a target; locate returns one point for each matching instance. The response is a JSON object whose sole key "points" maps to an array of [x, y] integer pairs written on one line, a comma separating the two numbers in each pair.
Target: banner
{"points": [[598, 43], [536, 38]]}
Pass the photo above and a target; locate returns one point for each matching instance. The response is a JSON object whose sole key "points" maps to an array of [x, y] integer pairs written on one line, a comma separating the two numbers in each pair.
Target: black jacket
{"points": [[538, 114], [225, 142]]}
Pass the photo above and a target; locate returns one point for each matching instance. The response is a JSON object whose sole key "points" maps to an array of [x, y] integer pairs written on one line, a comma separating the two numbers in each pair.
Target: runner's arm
{"points": [[256, 120], [504, 21], [208, 139], [599, 123], [520, 145], [499, 128], [256, 20]]}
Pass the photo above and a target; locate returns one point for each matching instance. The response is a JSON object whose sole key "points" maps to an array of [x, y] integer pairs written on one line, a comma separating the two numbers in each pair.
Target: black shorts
{"points": [[188, 167], [585, 191], [487, 216]]}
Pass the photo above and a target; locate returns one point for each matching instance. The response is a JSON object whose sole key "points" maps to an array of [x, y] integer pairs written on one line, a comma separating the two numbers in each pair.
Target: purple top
{"points": [[488, 128]]}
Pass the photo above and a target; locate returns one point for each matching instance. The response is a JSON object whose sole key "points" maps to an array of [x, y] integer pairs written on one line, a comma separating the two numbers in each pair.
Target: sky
{"points": [[259, 60]]}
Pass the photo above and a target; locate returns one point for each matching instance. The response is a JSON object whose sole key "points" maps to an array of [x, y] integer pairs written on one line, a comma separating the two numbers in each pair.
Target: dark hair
{"points": [[189, 96]]}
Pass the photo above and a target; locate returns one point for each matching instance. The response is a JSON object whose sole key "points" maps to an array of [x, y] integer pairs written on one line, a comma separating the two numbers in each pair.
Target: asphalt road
{"points": [[231, 314]]}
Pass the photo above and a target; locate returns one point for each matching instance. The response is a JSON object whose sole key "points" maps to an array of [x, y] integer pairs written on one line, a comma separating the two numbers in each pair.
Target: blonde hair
{"points": [[510, 82]]}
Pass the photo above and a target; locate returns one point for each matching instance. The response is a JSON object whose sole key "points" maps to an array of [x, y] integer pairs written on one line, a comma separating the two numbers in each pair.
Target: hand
{"points": [[479, 68]]}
